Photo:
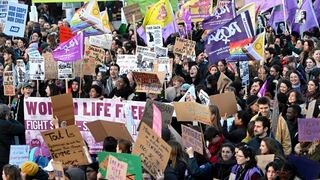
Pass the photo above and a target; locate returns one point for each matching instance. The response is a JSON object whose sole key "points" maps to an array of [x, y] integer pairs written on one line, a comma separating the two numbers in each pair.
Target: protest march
{"points": [[160, 89]]}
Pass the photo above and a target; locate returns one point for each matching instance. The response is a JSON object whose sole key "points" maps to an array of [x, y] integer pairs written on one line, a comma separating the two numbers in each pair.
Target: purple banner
{"points": [[220, 16], [218, 42], [71, 50], [309, 129]]}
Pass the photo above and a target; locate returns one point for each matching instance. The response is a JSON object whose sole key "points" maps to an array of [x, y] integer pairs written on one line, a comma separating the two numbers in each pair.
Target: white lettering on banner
{"points": [[72, 43], [224, 33], [221, 11]]}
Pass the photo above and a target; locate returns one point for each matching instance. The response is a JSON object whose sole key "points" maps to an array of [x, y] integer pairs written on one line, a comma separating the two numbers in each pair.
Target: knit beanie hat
{"points": [[30, 168]]}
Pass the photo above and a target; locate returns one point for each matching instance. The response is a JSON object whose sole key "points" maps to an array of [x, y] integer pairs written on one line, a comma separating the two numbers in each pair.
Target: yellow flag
{"points": [[160, 13], [256, 49], [105, 21], [251, 7], [91, 13]]}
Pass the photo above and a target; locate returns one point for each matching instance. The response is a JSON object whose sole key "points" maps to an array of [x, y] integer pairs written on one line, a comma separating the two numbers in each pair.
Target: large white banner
{"points": [[38, 114]]}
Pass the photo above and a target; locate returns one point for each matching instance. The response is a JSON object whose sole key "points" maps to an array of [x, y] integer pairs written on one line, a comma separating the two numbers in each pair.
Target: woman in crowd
{"points": [[246, 167], [95, 91], [10, 172], [296, 82], [122, 89], [308, 47], [312, 92], [177, 161], [284, 86], [310, 67], [52, 90], [271, 171], [271, 146], [124, 146]]}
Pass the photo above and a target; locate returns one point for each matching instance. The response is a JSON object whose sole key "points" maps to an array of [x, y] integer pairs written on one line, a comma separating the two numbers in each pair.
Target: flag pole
{"points": [[284, 15]]}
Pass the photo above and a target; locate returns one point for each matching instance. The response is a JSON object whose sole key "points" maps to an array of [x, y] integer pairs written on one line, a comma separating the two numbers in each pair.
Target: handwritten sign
{"points": [[117, 170], [134, 170], [192, 111], [147, 82], [153, 150], [184, 47], [165, 109], [96, 53], [192, 138], [89, 66], [19, 154], [37, 69], [16, 19], [264, 160], [130, 10], [103, 41], [66, 145], [309, 129], [8, 83]]}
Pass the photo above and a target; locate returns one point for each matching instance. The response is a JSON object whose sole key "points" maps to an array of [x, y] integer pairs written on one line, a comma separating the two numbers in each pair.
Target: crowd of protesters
{"points": [[291, 68]]}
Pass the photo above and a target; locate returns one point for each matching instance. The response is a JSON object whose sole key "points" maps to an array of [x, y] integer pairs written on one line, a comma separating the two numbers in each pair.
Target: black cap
{"points": [[251, 100]]}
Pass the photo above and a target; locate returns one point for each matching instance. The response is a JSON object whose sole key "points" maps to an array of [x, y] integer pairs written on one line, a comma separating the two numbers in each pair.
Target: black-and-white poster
{"points": [[21, 70], [64, 70], [154, 35], [160, 51], [145, 61], [37, 69]]}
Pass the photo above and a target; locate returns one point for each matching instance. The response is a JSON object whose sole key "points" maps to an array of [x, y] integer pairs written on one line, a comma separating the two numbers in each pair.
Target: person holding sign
{"points": [[8, 128]]}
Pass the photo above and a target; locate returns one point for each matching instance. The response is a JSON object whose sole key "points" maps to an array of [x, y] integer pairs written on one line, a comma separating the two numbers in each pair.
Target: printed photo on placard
{"points": [[64, 70]]}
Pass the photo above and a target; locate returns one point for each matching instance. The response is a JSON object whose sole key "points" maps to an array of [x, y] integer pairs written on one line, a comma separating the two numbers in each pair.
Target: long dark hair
{"points": [[248, 152], [176, 153], [54, 89]]}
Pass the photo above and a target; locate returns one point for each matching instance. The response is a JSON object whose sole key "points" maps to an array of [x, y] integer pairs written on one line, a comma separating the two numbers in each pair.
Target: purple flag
{"points": [[307, 12], [187, 19], [71, 50], [316, 6], [284, 13], [220, 16], [309, 129], [263, 89], [267, 4], [218, 41]]}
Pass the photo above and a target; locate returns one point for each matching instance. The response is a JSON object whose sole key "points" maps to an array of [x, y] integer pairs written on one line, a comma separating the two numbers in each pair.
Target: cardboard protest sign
{"points": [[192, 138], [223, 81], [165, 109], [58, 170], [310, 110], [264, 160], [130, 10], [145, 61], [184, 47], [101, 129], [127, 63], [96, 53], [62, 106], [117, 170], [21, 70], [16, 19], [89, 66], [164, 68], [147, 82], [309, 129], [220, 100], [8, 83], [19, 154], [157, 120], [66, 145], [77, 69], [153, 150], [103, 41], [192, 111], [37, 69], [64, 70], [65, 34], [134, 170], [154, 35]]}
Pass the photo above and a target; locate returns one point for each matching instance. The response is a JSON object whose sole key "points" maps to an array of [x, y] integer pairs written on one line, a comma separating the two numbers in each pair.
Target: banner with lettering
{"points": [[218, 42], [16, 19], [71, 50], [220, 16], [38, 114]]}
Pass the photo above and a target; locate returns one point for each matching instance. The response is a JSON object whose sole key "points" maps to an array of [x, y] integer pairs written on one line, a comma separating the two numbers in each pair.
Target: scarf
{"points": [[214, 149]]}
